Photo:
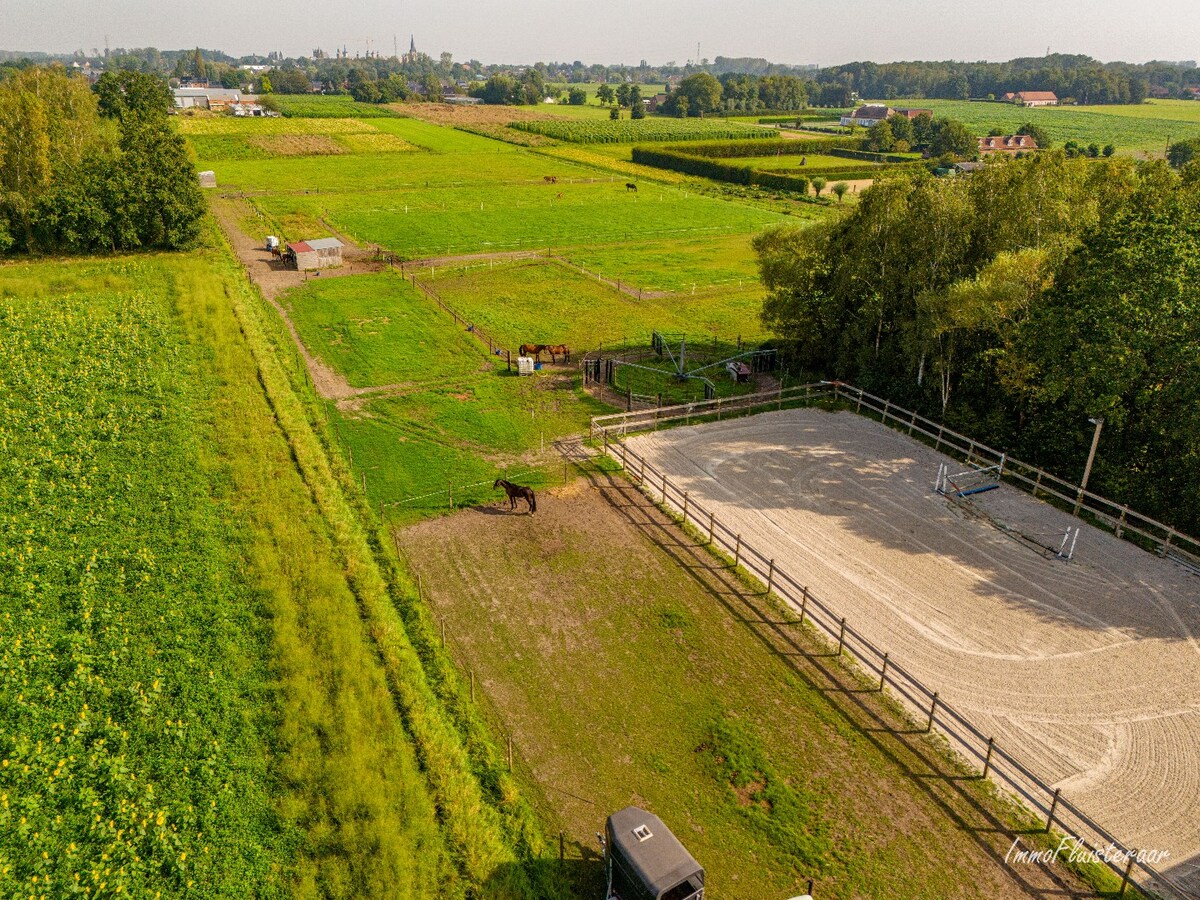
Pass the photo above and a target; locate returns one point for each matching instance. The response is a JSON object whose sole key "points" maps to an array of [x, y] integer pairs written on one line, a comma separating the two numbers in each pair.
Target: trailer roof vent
{"points": [[642, 833]]}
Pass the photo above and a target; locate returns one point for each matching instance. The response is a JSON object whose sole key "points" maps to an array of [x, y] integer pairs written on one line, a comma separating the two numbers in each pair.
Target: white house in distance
{"points": [[1032, 98], [868, 115]]}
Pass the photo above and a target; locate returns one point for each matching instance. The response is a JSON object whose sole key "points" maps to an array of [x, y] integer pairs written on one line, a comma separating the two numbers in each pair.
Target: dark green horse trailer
{"points": [[644, 861]]}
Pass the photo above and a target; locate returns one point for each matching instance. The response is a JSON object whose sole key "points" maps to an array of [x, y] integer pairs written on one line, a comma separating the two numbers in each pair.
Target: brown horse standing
{"points": [[557, 350], [517, 492], [534, 350]]}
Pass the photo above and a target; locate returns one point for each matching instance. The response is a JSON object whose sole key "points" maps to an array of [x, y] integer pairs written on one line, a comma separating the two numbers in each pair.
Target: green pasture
{"points": [[449, 413], [379, 329], [362, 174], [450, 441], [1129, 132], [543, 303], [1174, 110], [681, 264], [458, 220]]}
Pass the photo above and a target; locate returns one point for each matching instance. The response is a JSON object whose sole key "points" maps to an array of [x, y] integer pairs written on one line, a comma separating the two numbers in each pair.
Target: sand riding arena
{"points": [[1087, 671]]}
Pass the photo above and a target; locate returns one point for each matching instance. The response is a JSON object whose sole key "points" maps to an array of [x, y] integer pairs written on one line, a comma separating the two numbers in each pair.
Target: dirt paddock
{"points": [[1089, 671]]}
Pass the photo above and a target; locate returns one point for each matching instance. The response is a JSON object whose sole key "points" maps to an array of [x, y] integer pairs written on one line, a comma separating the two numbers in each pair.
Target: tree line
{"points": [[1014, 304], [85, 170]]}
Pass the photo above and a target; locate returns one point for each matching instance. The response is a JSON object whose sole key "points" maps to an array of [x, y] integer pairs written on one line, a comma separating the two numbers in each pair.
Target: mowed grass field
{"points": [[1131, 129], [632, 668], [543, 303], [724, 262]]}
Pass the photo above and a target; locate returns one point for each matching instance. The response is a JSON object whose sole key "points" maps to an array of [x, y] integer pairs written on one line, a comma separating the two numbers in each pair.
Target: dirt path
{"points": [[1086, 671], [274, 278], [602, 636]]}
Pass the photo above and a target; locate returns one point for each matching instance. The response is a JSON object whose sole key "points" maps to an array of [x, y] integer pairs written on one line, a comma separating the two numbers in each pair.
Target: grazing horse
{"points": [[556, 350], [630, 186], [534, 350], [550, 179], [517, 492]]}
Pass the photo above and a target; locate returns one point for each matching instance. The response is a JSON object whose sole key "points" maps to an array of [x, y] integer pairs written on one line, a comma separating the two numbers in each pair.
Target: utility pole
{"points": [[1087, 469]]}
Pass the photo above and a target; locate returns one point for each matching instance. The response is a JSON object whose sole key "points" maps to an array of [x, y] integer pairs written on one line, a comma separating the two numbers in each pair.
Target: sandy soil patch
{"points": [[1089, 671]]}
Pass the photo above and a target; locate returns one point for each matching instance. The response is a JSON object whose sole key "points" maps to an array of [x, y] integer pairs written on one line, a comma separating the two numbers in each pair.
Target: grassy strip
{"points": [[475, 828], [347, 776]]}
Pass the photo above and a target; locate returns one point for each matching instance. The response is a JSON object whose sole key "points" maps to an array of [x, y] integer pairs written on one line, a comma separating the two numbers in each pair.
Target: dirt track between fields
{"points": [[1088, 671], [274, 278]]}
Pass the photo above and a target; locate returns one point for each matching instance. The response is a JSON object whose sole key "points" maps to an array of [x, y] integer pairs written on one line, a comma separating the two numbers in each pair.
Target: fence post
{"points": [[938, 443], [737, 553], [858, 408], [842, 636], [883, 672], [1128, 871], [803, 602], [780, 395], [1053, 810], [987, 761], [685, 506], [913, 422], [1037, 483], [642, 472], [932, 713], [664, 488], [450, 493], [443, 633], [887, 404], [771, 576], [710, 527], [510, 753]]}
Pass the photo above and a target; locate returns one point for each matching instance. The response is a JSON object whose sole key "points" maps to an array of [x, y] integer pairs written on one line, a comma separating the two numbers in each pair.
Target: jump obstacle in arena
{"points": [[960, 487]]}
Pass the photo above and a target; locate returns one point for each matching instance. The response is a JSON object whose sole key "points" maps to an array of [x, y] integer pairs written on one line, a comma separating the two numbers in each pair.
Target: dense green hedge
{"points": [[734, 149], [870, 156], [691, 164]]}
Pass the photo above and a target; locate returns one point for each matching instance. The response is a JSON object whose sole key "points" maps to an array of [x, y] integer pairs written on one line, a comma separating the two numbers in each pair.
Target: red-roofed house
{"points": [[1010, 143]]}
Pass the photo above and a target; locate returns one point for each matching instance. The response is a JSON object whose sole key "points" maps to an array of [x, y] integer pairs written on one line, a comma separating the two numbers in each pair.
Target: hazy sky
{"points": [[790, 31]]}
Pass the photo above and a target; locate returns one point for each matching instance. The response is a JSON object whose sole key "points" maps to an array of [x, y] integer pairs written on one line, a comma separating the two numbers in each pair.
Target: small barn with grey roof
{"points": [[323, 253]]}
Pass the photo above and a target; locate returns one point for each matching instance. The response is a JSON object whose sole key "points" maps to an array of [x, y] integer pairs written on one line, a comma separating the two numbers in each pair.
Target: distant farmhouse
{"points": [[1011, 144], [217, 99], [1032, 98], [868, 115]]}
